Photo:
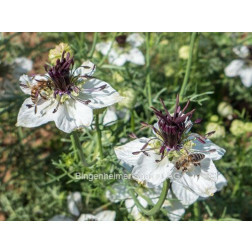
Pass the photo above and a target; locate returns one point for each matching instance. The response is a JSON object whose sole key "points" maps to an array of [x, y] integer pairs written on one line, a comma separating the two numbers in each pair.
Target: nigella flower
{"points": [[243, 66], [74, 203], [125, 49], [173, 153], [64, 95], [173, 208]]}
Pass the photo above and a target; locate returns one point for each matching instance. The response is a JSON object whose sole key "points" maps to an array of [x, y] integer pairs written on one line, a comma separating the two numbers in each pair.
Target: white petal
{"points": [[106, 215], [221, 182], [87, 68], [175, 210], [28, 118], [117, 192], [135, 39], [60, 218], [22, 65], [241, 51], [145, 168], [88, 217], [208, 170], [73, 115], [234, 68], [132, 208], [198, 184], [99, 98], [117, 59], [110, 116], [136, 56], [246, 76], [186, 196], [103, 47], [74, 203], [206, 147], [29, 82]]}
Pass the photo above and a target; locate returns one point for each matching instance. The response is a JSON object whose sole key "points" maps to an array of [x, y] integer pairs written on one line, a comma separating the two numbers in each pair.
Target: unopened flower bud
{"points": [[219, 130], [225, 110], [184, 52], [56, 53], [237, 128], [129, 98], [168, 70]]}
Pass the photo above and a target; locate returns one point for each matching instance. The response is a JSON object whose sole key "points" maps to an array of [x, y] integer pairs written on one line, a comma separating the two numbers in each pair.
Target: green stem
{"points": [[158, 205], [148, 79], [188, 66], [78, 147], [93, 45], [98, 135]]}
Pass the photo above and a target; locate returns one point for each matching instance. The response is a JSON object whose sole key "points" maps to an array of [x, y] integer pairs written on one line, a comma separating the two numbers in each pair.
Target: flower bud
{"points": [[168, 70], [225, 110], [129, 98], [184, 52], [237, 128], [219, 130], [214, 118], [248, 126], [117, 77], [56, 53]]}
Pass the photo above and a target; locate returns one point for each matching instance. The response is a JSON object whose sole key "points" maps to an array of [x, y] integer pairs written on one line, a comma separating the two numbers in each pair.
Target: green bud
{"points": [[129, 98], [219, 130], [237, 128], [225, 110], [214, 118], [168, 70], [184, 52]]}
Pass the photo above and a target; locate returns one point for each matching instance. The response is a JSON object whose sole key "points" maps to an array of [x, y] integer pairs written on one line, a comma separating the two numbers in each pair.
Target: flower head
{"points": [[64, 95]]}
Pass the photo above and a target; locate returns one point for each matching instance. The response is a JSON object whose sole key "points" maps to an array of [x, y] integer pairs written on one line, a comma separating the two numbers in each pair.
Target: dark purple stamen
{"points": [[121, 40]]}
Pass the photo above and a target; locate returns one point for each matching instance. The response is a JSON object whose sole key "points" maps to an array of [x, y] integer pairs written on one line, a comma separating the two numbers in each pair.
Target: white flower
{"points": [[22, 65], [241, 67], [125, 49], [153, 160], [74, 203], [69, 104], [172, 206]]}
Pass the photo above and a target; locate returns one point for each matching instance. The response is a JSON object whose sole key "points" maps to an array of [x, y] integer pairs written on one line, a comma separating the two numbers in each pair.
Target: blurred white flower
{"points": [[153, 160], [241, 67], [125, 49], [74, 204], [184, 52], [172, 206], [64, 95], [22, 65]]}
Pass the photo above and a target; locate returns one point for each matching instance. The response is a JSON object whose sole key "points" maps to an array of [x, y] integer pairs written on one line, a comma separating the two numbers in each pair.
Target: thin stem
{"points": [[77, 146], [98, 135], [188, 66], [158, 205], [148, 79], [93, 45]]}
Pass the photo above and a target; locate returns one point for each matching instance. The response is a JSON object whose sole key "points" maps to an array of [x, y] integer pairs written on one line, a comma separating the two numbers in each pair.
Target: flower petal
{"points": [[99, 98], [206, 148], [87, 217], [136, 56], [29, 82], [246, 76], [73, 115], [28, 118], [175, 210], [117, 192], [132, 208], [106, 215], [198, 184], [22, 65], [234, 68], [87, 68], [186, 196], [117, 58], [221, 182], [241, 51], [110, 116], [103, 47], [135, 39], [74, 203]]}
